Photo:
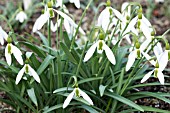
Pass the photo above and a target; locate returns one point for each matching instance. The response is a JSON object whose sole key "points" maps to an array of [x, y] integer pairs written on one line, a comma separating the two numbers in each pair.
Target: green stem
{"points": [[49, 34], [73, 40]]}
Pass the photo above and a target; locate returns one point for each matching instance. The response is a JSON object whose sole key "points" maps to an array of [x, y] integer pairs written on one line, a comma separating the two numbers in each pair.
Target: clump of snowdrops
{"points": [[101, 71]]}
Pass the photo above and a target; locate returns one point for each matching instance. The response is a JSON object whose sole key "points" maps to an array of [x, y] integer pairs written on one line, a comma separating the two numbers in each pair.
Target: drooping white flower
{"points": [[41, 21], [157, 71], [105, 18], [11, 49], [126, 14], [100, 45], [69, 24], [145, 25], [3, 35], [76, 3], [139, 49], [21, 16], [77, 92], [28, 70], [56, 25], [27, 4]]}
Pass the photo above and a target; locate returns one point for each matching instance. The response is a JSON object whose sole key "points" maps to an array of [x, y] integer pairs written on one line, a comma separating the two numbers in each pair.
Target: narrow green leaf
{"points": [[44, 64], [124, 100], [43, 38], [32, 96]]}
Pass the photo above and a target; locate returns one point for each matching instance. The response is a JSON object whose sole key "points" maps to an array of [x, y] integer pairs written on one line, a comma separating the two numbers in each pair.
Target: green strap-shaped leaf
{"points": [[32, 96], [44, 64], [124, 100], [43, 38], [67, 52]]}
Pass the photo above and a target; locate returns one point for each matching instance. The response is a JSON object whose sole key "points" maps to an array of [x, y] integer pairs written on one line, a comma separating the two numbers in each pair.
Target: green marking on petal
{"points": [[156, 73], [9, 49], [77, 92], [51, 12], [138, 53], [100, 45], [26, 69]]}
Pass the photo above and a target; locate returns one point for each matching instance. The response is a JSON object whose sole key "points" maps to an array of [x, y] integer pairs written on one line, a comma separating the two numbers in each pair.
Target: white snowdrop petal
{"points": [[100, 18], [105, 19], [86, 97], [124, 5], [145, 44], [131, 59], [117, 13], [146, 77], [161, 77], [90, 52], [146, 21], [3, 33], [20, 74], [68, 99], [8, 56], [67, 26], [33, 73], [109, 54], [17, 54], [157, 50], [148, 58], [163, 60], [53, 27], [1, 40], [42, 20], [28, 54], [77, 3]]}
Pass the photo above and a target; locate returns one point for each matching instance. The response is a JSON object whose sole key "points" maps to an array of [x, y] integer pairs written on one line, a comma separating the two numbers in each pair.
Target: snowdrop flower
{"points": [[69, 24], [136, 53], [48, 13], [76, 3], [143, 24], [157, 71], [3, 35], [11, 49], [106, 17], [28, 70], [77, 93], [163, 57], [21, 16], [126, 13], [27, 4], [100, 45]]}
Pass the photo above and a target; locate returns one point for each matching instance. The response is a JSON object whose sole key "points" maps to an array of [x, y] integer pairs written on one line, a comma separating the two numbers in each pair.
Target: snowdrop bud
{"points": [[77, 92], [138, 53], [9, 40], [51, 13], [101, 36], [153, 33], [156, 73], [49, 4], [100, 45], [108, 3]]}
